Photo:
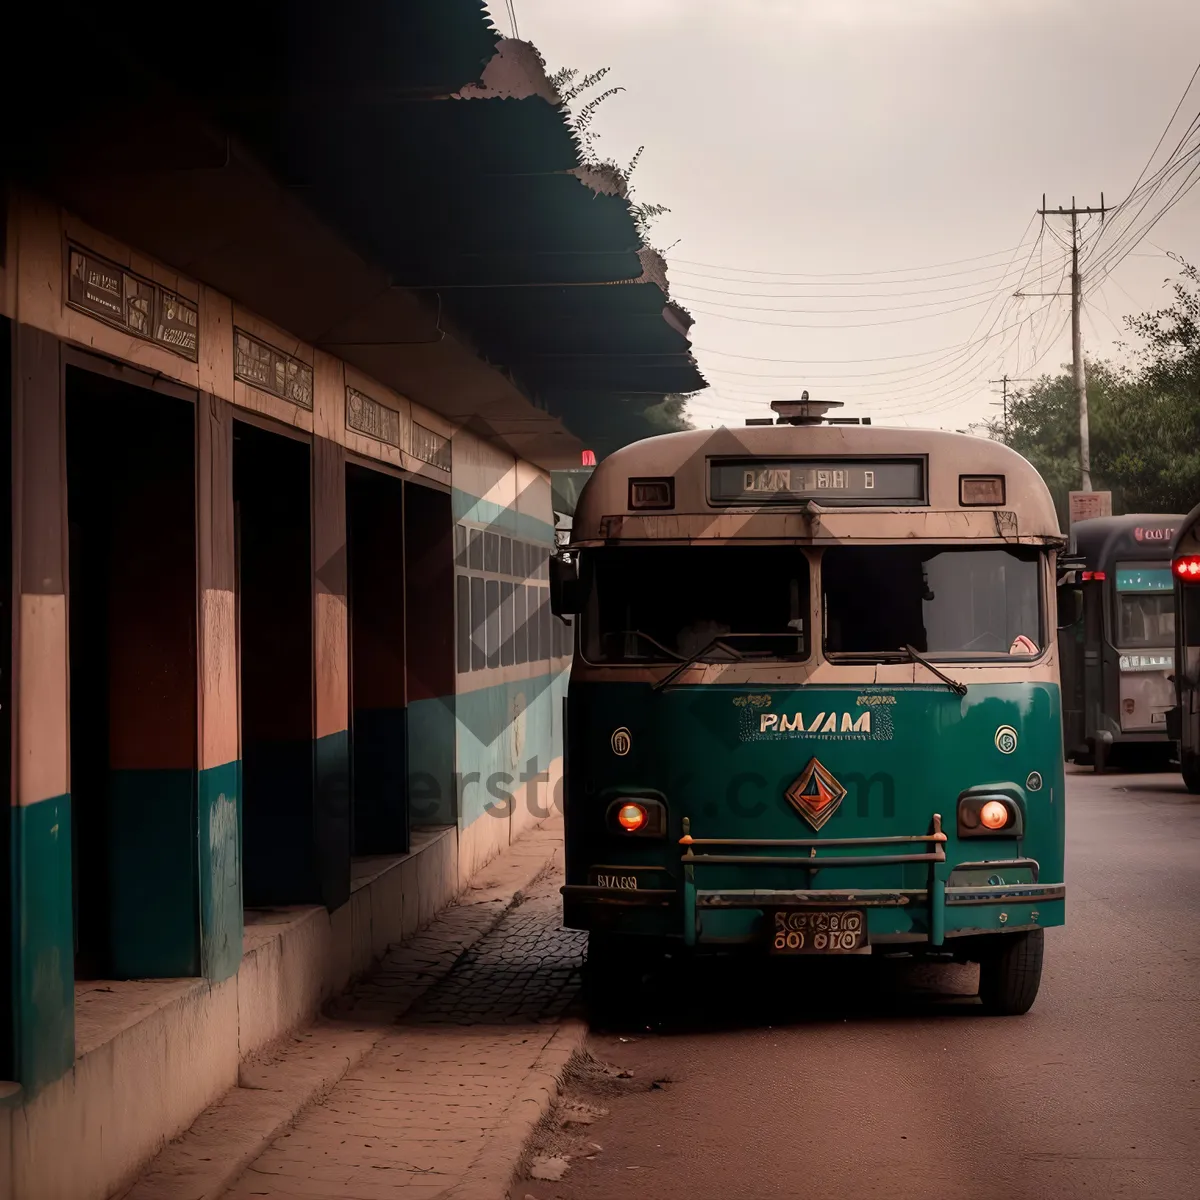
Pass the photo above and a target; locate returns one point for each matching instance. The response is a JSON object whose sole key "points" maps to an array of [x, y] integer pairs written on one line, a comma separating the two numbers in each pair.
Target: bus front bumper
{"points": [[960, 912], [952, 904]]}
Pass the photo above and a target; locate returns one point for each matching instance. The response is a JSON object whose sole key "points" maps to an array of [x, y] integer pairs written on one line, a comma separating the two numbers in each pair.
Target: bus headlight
{"points": [[983, 815], [637, 816], [631, 817]]}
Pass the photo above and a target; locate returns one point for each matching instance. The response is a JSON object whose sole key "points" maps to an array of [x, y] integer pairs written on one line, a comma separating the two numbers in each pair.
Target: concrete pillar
{"points": [[219, 780], [43, 953], [331, 661]]}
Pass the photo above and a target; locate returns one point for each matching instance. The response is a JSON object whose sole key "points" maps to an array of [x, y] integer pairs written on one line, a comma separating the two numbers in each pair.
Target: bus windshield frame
{"points": [[764, 589]]}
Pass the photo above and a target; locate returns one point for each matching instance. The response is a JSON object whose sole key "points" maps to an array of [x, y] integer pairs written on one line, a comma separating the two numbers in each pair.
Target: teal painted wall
{"points": [[43, 942], [219, 834], [499, 518], [330, 829], [497, 746], [154, 908], [431, 795]]}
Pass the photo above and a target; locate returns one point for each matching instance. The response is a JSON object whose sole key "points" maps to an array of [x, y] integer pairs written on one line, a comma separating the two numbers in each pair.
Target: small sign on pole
{"points": [[1083, 506]]}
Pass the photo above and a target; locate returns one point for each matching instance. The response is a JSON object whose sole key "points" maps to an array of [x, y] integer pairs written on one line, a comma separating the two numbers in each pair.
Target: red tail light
{"points": [[1187, 567], [1098, 576]]}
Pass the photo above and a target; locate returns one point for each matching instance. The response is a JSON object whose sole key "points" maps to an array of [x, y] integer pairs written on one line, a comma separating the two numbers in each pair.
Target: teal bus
{"points": [[814, 702]]}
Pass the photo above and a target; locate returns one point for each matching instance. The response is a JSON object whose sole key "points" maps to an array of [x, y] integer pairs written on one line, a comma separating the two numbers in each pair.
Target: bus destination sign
{"points": [[836, 482]]}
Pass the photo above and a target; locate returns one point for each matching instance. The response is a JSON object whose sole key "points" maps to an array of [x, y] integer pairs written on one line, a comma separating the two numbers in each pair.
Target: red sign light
{"points": [[589, 458]]}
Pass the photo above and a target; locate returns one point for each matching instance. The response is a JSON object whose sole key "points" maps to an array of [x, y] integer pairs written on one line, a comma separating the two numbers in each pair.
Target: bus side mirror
{"points": [[1070, 605], [566, 597]]}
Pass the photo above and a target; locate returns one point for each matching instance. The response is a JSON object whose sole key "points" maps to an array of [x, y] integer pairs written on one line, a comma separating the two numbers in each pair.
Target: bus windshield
{"points": [[953, 603], [1145, 605], [668, 603]]}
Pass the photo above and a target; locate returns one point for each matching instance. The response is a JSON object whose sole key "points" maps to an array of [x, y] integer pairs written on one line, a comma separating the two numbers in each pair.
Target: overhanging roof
{"points": [[393, 182]]}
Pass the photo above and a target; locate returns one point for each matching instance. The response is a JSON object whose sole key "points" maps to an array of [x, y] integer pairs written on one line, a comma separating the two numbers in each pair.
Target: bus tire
{"points": [[1010, 973], [613, 978], [1191, 774]]}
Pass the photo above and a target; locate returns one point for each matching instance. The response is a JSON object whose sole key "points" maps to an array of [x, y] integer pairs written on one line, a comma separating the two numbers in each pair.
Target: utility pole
{"points": [[1005, 381], [1077, 369]]}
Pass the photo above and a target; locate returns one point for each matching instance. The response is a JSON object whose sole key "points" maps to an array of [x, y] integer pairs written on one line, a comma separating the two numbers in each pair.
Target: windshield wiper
{"points": [[959, 689], [646, 637], [717, 641]]}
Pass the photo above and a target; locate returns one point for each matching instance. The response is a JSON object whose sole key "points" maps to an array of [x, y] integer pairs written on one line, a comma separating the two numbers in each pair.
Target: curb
{"points": [[208, 1158], [491, 1175]]}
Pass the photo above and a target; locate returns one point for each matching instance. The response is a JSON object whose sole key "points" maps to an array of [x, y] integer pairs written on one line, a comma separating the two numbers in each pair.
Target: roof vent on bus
{"points": [[806, 412]]}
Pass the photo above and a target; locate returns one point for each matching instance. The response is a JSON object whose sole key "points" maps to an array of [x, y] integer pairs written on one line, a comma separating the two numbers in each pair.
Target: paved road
{"points": [[843, 1084]]}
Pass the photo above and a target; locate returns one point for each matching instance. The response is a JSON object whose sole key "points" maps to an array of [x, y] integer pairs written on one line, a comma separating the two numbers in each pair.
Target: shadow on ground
{"points": [[723, 994]]}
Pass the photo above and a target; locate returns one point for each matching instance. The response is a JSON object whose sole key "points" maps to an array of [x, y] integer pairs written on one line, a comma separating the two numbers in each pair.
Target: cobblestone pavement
{"points": [[417, 1111], [526, 971]]}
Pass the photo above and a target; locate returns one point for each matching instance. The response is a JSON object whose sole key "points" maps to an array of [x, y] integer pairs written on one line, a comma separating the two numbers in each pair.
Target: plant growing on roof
{"points": [[570, 85]]}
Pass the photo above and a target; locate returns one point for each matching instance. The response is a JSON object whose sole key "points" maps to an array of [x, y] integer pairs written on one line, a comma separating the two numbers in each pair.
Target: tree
{"points": [[669, 415], [1144, 418]]}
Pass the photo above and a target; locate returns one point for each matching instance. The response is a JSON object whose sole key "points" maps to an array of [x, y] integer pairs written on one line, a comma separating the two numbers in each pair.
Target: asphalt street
{"points": [[845, 1080]]}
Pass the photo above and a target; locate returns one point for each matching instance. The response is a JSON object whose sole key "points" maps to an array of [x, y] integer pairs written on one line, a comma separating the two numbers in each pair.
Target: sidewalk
{"points": [[426, 1079]]}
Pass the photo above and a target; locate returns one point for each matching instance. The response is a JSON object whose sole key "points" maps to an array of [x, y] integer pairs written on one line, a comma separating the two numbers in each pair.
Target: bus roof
{"points": [[1026, 514], [1138, 536]]}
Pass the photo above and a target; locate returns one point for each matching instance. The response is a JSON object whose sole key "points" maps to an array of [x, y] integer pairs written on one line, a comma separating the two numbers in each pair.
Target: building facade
{"points": [[290, 343], [278, 633]]}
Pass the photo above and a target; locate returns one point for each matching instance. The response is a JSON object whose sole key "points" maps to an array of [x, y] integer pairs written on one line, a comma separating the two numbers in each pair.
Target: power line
{"points": [[871, 280], [919, 379], [847, 274], [854, 325], [1006, 280], [1161, 138], [1145, 187], [954, 387], [1114, 259], [990, 294], [925, 354], [954, 287]]}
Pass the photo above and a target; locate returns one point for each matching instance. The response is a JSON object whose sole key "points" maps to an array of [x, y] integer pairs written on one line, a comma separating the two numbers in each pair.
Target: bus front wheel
{"points": [[614, 978], [1191, 773], [1010, 973]]}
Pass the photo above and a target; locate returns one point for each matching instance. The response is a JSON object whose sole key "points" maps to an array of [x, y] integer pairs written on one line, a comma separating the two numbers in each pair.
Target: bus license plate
{"points": [[611, 879], [824, 931]]}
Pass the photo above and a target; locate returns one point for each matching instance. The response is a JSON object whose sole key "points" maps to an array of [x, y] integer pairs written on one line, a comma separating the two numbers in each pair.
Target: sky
{"points": [[852, 184]]}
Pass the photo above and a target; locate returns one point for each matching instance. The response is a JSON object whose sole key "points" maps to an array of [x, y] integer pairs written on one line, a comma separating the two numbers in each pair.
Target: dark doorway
{"points": [[378, 726], [272, 513], [429, 615], [133, 714]]}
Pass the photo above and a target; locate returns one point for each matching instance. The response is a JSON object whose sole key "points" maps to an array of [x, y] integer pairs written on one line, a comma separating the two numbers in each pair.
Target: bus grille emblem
{"points": [[815, 794]]}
